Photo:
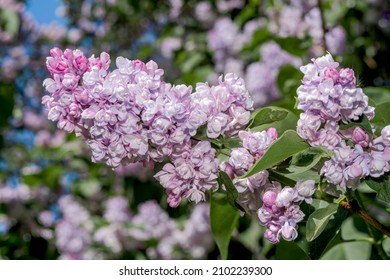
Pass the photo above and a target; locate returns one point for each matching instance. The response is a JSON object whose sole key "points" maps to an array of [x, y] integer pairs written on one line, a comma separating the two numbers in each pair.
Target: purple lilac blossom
{"points": [[131, 115], [191, 175], [368, 157], [328, 96], [253, 146], [73, 230], [280, 211]]}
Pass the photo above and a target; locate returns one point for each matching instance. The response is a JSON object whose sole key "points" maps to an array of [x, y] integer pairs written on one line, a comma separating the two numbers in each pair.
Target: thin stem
{"points": [[378, 243], [355, 208]]}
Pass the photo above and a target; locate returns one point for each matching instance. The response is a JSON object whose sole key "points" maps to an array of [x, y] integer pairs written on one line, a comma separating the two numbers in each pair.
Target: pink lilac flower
{"points": [[328, 97], [368, 157], [280, 211], [253, 146], [191, 175], [117, 210]]}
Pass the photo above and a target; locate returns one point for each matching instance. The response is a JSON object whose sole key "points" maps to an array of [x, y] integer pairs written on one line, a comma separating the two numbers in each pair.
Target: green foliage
{"points": [[287, 145], [288, 80], [223, 220], [318, 220], [381, 186], [10, 20], [231, 190], [286, 250], [7, 96], [268, 115]]}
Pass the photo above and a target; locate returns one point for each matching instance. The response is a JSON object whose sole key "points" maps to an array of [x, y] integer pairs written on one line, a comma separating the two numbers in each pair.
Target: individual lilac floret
{"points": [[190, 175], [328, 96], [280, 212]]}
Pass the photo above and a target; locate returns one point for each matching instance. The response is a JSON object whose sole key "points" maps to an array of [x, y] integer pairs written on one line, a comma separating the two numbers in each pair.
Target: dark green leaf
{"points": [[288, 80], [318, 220], [7, 93], [307, 159], [284, 147], [288, 250], [330, 236], [259, 37], [381, 186], [363, 123], [359, 250], [223, 220], [268, 115], [289, 122], [378, 94], [294, 45], [231, 191]]}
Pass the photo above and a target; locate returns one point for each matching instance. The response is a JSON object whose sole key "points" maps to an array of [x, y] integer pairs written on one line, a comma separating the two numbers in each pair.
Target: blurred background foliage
{"points": [[55, 203]]}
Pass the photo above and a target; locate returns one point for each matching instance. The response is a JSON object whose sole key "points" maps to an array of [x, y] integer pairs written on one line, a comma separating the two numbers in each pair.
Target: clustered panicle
{"points": [[131, 114], [280, 212], [190, 175], [253, 146], [328, 96], [175, 242], [367, 157]]}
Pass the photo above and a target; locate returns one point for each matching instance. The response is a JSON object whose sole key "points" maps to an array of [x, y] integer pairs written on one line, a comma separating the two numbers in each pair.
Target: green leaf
{"points": [[307, 159], [318, 220], [363, 123], [289, 122], [231, 191], [382, 112], [288, 80], [284, 147], [259, 37], [330, 236], [381, 186], [268, 115], [7, 93], [359, 250], [223, 220], [294, 45], [295, 177], [11, 21], [288, 250], [378, 94]]}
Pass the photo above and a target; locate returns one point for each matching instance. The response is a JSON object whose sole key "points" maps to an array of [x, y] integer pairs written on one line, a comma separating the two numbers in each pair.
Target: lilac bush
{"points": [[131, 114]]}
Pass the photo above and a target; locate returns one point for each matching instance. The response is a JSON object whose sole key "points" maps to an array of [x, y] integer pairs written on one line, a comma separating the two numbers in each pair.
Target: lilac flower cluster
{"points": [[190, 175], [280, 212], [253, 146], [174, 242], [328, 96], [367, 157], [73, 230], [224, 107], [132, 115]]}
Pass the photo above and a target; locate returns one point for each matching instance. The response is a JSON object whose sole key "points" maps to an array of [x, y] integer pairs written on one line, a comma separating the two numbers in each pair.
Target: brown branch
{"points": [[354, 207]]}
